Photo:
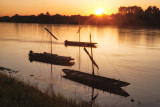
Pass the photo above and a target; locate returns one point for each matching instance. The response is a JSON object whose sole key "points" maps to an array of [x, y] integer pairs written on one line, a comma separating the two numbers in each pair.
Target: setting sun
{"points": [[99, 11]]}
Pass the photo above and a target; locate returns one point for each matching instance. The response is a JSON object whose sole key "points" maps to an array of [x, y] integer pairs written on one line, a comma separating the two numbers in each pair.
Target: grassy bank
{"points": [[16, 93]]}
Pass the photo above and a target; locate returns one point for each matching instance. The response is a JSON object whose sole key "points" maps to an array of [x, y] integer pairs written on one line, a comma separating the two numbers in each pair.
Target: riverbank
{"points": [[14, 92]]}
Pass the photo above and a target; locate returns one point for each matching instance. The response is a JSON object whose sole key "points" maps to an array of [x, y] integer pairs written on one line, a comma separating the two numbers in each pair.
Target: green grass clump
{"points": [[16, 93]]}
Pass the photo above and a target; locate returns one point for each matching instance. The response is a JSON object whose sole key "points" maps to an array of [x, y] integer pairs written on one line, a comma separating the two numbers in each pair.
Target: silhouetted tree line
{"points": [[126, 16], [45, 18], [136, 16]]}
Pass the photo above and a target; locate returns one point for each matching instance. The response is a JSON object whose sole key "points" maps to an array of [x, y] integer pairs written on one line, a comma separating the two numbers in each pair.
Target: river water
{"points": [[131, 54]]}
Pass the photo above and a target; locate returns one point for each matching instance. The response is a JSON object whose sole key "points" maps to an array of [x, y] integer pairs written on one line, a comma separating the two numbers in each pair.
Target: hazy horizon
{"points": [[70, 7]]}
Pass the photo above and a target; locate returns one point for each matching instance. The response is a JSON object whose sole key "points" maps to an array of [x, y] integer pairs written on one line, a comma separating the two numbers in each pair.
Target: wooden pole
{"points": [[92, 55], [51, 44]]}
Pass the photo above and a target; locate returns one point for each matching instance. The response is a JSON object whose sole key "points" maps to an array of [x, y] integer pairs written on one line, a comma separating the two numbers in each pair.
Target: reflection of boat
{"points": [[49, 57], [78, 43]]}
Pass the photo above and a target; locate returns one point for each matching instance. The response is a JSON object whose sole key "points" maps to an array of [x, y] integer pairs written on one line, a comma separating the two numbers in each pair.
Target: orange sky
{"points": [[68, 7]]}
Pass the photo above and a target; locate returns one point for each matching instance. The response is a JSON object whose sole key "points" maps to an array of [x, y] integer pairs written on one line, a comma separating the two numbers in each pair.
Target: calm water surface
{"points": [[128, 54]]}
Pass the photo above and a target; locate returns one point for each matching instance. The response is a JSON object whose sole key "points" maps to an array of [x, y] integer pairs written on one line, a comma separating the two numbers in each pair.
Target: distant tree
{"points": [[32, 16], [152, 10], [16, 15], [122, 10], [130, 9], [41, 14], [48, 14], [57, 15], [152, 16], [91, 15], [130, 16]]}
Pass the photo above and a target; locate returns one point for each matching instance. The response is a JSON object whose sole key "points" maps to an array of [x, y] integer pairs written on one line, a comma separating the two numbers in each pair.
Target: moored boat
{"points": [[94, 78], [95, 81], [81, 44], [49, 57]]}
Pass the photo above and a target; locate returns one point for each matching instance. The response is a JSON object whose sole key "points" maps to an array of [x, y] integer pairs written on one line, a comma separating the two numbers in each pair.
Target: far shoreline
{"points": [[142, 26], [126, 16]]}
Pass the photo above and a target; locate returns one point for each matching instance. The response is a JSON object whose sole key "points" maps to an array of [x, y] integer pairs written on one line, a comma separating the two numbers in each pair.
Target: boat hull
{"points": [[51, 59], [81, 44]]}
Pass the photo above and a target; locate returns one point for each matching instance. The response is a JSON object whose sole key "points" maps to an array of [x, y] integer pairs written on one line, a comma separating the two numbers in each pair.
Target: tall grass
{"points": [[16, 93]]}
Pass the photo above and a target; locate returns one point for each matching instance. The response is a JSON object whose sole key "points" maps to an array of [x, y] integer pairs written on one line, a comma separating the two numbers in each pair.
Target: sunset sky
{"points": [[68, 7]]}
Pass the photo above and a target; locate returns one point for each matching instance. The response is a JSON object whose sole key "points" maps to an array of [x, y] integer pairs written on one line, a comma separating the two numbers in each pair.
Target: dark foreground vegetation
{"points": [[126, 16], [15, 93]]}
